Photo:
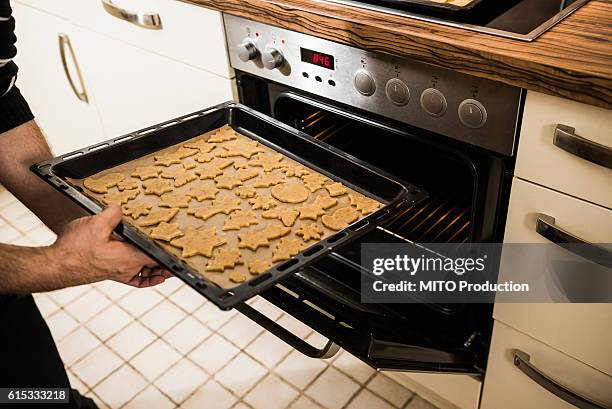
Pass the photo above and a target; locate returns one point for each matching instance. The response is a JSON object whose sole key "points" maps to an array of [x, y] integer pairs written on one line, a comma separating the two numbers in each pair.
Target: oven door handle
{"points": [[329, 350], [547, 228], [565, 138], [522, 362]]}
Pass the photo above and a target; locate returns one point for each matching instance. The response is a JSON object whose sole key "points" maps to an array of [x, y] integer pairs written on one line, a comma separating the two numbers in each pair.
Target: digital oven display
{"points": [[317, 58]]}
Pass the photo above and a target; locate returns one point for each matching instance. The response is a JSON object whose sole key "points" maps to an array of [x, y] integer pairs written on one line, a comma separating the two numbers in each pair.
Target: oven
{"points": [[449, 134]]}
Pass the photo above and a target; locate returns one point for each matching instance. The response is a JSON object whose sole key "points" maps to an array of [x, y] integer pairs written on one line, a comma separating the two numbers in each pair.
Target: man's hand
{"points": [[89, 250]]}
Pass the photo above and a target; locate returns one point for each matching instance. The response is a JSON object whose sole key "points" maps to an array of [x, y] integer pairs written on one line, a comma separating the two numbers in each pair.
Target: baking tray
{"points": [[292, 143], [428, 5]]}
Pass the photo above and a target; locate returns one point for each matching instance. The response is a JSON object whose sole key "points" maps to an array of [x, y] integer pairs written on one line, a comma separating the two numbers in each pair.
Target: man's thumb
{"points": [[108, 219]]}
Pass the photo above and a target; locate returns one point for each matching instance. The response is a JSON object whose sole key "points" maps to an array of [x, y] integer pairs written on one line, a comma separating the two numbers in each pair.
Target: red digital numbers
{"points": [[320, 59]]}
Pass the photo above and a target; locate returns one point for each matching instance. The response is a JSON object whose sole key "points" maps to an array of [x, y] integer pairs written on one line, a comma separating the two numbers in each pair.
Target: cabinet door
{"points": [[68, 122], [136, 88]]}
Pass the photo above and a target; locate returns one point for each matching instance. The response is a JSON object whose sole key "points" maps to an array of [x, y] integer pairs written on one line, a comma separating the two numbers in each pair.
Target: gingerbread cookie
{"points": [[268, 180], [239, 219], [341, 218], [157, 216], [136, 209], [261, 238], [146, 172], [120, 197], [184, 152], [166, 159], [287, 216], [246, 174], [200, 144], [262, 202], [181, 176], [267, 162], [196, 242], [166, 231], [222, 163], [241, 165], [174, 200], [237, 277], [127, 184], [257, 266], [222, 135], [203, 157], [225, 205], [241, 147], [295, 170], [317, 208], [364, 204], [286, 248], [225, 258], [209, 172], [227, 182], [314, 181], [103, 183], [157, 187], [309, 231], [336, 189], [290, 193], [201, 192], [245, 192]]}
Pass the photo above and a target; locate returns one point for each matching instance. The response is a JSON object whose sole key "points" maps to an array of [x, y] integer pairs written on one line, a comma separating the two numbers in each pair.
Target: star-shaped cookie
{"points": [[262, 202], [202, 192], [157, 187], [136, 209], [209, 172], [196, 242], [120, 197], [157, 216], [174, 200], [166, 159], [309, 231], [225, 205], [314, 181], [295, 170], [267, 162], [268, 180], [239, 219], [166, 231], [317, 208], [224, 134], [241, 147], [227, 182], [127, 184], [181, 176], [286, 248], [261, 238], [146, 172], [184, 152], [245, 192], [204, 157], [225, 258], [364, 204], [257, 266], [103, 183], [200, 144], [287, 216]]}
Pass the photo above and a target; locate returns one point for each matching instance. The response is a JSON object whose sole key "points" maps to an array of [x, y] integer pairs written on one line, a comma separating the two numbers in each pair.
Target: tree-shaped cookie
{"points": [[127, 184], [313, 210], [136, 209], [203, 192], [157, 216], [268, 180], [262, 202], [267, 162], [258, 266], [224, 134], [157, 187], [174, 200], [120, 197], [286, 248], [314, 181], [103, 183], [180, 176], [166, 231], [146, 172], [336, 189], [287, 216], [309, 231], [201, 242], [225, 205], [225, 258], [340, 218], [239, 219], [245, 192], [240, 147], [364, 204]]}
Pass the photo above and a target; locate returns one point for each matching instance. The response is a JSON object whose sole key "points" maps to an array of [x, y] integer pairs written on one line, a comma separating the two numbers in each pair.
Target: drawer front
{"points": [[61, 8], [579, 330], [507, 387], [190, 34], [540, 161]]}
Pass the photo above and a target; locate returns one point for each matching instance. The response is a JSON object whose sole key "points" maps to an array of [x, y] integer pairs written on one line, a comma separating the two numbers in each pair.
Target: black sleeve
{"points": [[14, 109]]}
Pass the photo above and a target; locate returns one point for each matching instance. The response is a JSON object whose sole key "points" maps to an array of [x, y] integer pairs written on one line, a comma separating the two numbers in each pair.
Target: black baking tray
{"points": [[267, 131], [428, 6]]}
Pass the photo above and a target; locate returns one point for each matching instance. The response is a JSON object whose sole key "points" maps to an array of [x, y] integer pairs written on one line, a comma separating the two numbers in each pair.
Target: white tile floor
{"points": [[166, 347]]}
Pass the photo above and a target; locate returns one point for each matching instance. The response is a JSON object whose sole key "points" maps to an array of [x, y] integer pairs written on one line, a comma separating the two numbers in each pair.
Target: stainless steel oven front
{"points": [[450, 134]]}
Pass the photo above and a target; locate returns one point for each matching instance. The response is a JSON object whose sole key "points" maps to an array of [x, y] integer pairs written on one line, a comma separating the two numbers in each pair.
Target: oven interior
{"points": [[467, 188]]}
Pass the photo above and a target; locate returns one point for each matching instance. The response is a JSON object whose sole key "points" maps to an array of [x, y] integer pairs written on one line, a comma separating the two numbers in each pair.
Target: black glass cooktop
{"points": [[519, 19]]}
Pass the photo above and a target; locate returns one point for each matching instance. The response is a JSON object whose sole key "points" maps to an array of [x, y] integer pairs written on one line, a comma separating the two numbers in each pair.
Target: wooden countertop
{"points": [[573, 60]]}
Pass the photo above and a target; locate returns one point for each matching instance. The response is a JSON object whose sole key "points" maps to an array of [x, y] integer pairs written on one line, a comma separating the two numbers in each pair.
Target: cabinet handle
{"points": [[522, 362], [566, 139], [145, 19], [547, 228], [64, 43], [329, 350]]}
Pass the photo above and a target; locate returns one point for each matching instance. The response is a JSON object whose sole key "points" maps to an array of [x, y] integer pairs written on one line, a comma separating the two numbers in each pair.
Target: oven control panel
{"points": [[470, 109]]}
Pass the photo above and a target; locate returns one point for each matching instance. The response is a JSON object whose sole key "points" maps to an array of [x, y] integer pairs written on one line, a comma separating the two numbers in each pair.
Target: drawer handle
{"points": [[522, 361], [329, 350], [65, 44], [145, 19], [547, 228], [566, 139]]}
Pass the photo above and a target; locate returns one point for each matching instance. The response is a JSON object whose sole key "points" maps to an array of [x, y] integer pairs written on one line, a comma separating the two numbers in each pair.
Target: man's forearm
{"points": [[21, 147]]}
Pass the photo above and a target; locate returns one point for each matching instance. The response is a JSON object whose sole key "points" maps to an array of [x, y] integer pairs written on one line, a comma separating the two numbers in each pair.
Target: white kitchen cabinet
{"points": [[68, 122], [135, 88]]}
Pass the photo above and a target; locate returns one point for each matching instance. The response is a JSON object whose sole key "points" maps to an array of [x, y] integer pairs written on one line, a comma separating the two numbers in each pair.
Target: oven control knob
{"points": [[472, 113], [247, 50], [433, 102], [397, 92], [364, 82], [272, 58]]}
